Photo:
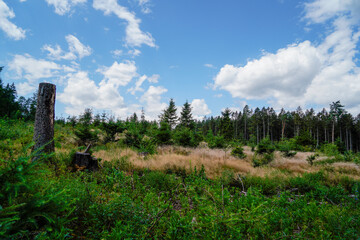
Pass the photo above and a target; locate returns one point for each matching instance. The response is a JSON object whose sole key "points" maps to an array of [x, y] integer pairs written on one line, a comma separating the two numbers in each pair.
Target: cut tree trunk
{"points": [[44, 119]]}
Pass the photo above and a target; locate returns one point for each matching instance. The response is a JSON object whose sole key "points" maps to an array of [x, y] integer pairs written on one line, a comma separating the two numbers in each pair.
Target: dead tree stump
{"points": [[44, 119], [84, 160]]}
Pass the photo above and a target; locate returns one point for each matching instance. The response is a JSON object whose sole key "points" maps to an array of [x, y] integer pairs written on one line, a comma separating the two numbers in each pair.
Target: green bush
{"points": [[163, 134], [262, 159], [238, 152], [30, 204], [185, 137], [265, 146]]}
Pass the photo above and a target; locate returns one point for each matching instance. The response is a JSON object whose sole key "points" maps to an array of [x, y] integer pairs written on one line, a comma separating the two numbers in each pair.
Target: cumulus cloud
{"points": [[152, 101], [199, 109], [32, 69], [64, 6], [134, 36], [81, 92], [119, 74], [11, 30], [287, 73], [305, 73], [76, 50]]}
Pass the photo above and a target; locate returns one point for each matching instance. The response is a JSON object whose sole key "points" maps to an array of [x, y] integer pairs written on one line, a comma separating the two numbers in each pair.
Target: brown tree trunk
{"points": [[44, 119]]}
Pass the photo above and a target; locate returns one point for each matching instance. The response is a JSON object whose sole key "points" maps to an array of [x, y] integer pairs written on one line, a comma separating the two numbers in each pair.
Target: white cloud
{"points": [[152, 101], [134, 36], [56, 53], [82, 92], [199, 109], [25, 66], [282, 75], [208, 65], [152, 79], [76, 50], [11, 30], [64, 6], [134, 52], [319, 11], [145, 6], [76, 47], [119, 74], [117, 52], [32, 70], [304, 73], [138, 84]]}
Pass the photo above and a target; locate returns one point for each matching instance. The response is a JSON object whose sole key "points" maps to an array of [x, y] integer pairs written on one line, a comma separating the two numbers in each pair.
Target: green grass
{"points": [[44, 200]]}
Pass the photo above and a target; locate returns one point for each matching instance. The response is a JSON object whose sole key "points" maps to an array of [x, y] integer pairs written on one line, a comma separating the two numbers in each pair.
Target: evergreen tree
{"points": [[186, 119], [169, 115], [336, 110], [8, 104], [226, 127]]}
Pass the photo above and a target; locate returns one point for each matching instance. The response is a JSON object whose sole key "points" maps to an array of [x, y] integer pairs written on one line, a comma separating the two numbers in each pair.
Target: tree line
{"points": [[248, 126]]}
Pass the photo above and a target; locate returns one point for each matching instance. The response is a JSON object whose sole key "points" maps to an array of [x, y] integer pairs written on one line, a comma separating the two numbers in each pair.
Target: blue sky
{"points": [[120, 56]]}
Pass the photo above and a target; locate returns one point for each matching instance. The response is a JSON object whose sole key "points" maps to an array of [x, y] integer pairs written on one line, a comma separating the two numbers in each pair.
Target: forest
{"points": [[250, 174]]}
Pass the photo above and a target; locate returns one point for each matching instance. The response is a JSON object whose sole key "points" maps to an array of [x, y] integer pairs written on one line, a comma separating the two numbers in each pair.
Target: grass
{"points": [[178, 193]]}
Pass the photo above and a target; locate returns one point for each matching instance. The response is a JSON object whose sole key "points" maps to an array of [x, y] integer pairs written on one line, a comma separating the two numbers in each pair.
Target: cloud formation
{"points": [[64, 6], [76, 50], [81, 92], [11, 30], [199, 109], [305, 73], [152, 101], [134, 36]]}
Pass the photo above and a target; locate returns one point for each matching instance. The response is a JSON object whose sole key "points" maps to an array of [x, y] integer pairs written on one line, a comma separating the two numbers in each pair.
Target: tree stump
{"points": [[44, 119], [84, 160]]}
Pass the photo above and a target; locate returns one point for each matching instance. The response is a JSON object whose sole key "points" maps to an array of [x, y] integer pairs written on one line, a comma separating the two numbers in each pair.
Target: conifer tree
{"points": [[226, 128], [169, 115], [186, 119]]}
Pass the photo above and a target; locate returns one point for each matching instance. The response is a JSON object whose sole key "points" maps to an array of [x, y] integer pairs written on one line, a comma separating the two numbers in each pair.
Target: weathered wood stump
{"points": [[44, 119], [84, 160]]}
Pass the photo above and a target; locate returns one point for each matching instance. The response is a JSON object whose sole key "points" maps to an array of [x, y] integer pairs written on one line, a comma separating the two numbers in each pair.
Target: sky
{"points": [[121, 56]]}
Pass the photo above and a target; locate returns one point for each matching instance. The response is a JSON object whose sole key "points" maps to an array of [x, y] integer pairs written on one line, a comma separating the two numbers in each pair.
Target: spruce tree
{"points": [[226, 127], [186, 119], [169, 115]]}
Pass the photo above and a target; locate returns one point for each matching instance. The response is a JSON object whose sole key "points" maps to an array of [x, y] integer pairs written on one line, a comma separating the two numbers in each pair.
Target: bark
{"points": [[44, 119]]}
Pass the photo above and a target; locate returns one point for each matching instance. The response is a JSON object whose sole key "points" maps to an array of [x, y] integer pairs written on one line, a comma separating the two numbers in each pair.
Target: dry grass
{"points": [[215, 161]]}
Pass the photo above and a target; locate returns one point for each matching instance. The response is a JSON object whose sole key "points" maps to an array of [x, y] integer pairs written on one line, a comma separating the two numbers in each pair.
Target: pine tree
{"points": [[186, 119], [169, 115]]}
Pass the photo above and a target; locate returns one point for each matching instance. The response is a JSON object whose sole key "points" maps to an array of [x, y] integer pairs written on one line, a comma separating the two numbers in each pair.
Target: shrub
{"points": [[262, 159], [185, 137], [285, 147], [310, 159], [330, 149], [265, 146], [163, 135], [238, 152]]}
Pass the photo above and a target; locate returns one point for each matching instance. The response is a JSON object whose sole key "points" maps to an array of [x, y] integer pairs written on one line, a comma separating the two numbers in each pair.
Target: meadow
{"points": [[176, 192]]}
